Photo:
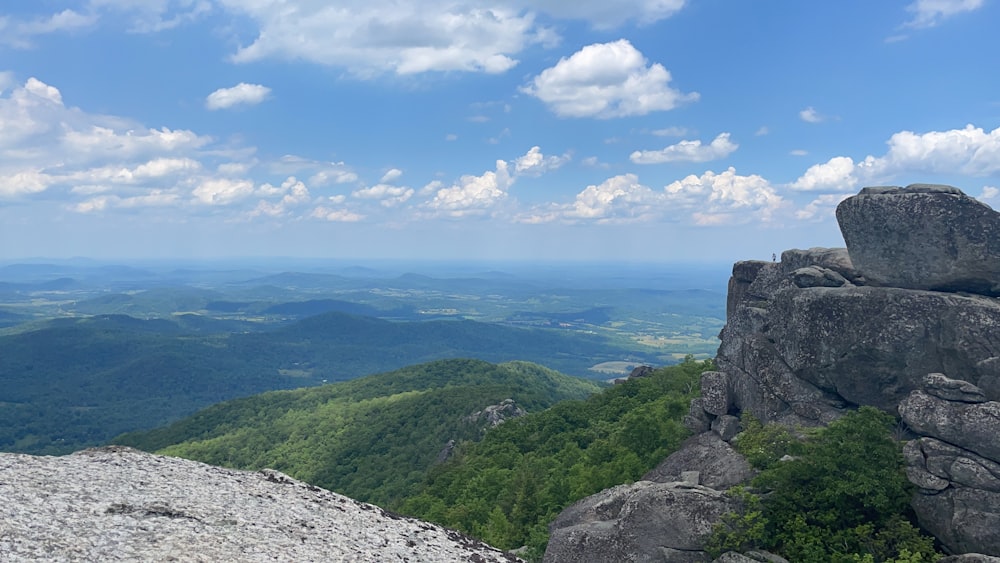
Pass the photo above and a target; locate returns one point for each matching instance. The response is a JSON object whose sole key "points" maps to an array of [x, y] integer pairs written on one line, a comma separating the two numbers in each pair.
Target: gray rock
{"points": [[814, 276], [495, 415], [697, 420], [119, 504], [969, 558], [872, 346], [718, 464], [832, 259], [939, 465], [944, 387], [923, 237], [964, 520], [726, 426], [641, 371], [971, 426], [715, 393], [733, 557], [644, 521]]}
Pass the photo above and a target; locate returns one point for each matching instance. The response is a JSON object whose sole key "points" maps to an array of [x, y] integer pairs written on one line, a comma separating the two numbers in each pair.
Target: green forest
{"points": [[377, 439], [371, 438]]}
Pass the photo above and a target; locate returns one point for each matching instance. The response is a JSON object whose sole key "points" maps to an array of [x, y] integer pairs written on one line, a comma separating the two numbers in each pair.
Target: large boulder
{"points": [[644, 521], [719, 466], [923, 237]]}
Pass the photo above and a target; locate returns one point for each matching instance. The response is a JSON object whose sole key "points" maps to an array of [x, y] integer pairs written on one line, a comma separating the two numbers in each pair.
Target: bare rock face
{"points": [[644, 521], [719, 466], [119, 504], [956, 465], [923, 237]]}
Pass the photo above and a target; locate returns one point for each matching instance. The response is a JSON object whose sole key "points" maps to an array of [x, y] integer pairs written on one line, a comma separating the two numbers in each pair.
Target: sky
{"points": [[634, 130]]}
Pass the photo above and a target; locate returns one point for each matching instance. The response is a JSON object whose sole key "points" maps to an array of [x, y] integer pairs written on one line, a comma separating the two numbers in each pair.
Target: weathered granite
{"points": [[643, 521], [923, 237], [718, 464], [944, 387], [119, 504], [971, 426]]}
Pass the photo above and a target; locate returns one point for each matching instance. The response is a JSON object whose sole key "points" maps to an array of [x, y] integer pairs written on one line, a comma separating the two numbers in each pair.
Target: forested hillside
{"points": [[76, 382], [371, 438], [508, 487]]}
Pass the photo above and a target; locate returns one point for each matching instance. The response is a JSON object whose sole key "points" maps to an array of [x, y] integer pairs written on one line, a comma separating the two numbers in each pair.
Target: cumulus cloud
{"points": [[606, 80], [391, 175], [155, 198], [688, 151], [725, 198], [810, 115], [473, 195], [374, 36], [387, 195], [242, 94], [24, 182], [222, 191], [929, 13], [970, 151], [838, 173], [618, 199], [534, 163]]}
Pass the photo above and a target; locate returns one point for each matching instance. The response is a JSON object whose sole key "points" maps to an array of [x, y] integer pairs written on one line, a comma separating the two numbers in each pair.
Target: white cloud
{"points": [[242, 94], [821, 207], [534, 163], [606, 80], [336, 215], [294, 193], [451, 137], [761, 131], [670, 132], [929, 13], [618, 199], [970, 151], [374, 36], [798, 152], [473, 195], [222, 191], [990, 193], [387, 195], [838, 173], [24, 182], [390, 175], [606, 15], [155, 198], [810, 115], [726, 197], [19, 34], [151, 16], [594, 162], [688, 151]]}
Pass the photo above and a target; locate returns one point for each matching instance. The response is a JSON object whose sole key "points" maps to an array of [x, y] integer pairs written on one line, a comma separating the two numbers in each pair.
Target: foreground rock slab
{"points": [[115, 503]]}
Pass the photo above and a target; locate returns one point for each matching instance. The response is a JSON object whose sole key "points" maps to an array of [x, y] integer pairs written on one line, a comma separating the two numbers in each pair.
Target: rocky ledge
{"points": [[116, 503]]}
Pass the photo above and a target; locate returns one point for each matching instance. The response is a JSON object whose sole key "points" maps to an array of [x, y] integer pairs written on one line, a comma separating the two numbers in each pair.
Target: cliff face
{"points": [[115, 503], [826, 330]]}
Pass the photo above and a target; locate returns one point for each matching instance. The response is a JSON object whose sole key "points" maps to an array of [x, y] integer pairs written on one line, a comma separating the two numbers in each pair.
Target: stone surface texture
{"points": [[923, 237], [719, 466], [119, 504], [644, 521]]}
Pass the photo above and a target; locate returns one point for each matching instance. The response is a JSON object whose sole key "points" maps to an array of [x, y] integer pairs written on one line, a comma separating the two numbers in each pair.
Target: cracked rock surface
{"points": [[116, 503]]}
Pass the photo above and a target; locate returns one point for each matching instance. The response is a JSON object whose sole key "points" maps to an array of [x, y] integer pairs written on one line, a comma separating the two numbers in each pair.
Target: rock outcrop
{"points": [[495, 415], [923, 237], [716, 463], [644, 521], [956, 464], [115, 504]]}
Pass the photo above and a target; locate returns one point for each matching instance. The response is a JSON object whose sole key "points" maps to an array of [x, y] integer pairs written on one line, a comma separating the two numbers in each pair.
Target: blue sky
{"points": [[639, 130]]}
